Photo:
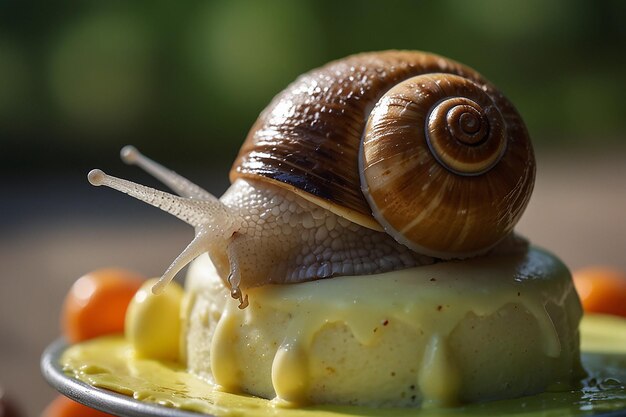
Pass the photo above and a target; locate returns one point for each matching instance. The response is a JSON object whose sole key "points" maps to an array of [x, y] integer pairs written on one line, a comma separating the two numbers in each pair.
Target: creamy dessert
{"points": [[495, 327], [368, 238]]}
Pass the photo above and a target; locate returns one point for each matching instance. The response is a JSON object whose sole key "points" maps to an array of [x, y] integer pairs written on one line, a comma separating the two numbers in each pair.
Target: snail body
{"points": [[375, 162]]}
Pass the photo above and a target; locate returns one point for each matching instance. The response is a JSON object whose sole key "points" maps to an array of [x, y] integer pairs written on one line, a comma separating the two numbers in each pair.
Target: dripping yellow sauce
{"points": [[440, 334], [110, 363]]}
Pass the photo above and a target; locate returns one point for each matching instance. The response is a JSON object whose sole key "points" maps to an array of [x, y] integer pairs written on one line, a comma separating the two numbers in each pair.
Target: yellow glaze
{"points": [[153, 322], [109, 363], [442, 334]]}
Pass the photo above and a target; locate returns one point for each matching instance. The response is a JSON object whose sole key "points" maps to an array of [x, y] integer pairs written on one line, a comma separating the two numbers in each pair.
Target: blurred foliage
{"points": [[184, 81]]}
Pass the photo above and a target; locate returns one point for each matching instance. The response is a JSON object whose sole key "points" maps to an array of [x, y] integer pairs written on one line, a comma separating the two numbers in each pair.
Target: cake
{"points": [[500, 326]]}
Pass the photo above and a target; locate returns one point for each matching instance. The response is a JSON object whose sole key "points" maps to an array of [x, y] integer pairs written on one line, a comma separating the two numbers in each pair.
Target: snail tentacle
{"points": [[192, 211], [195, 248], [234, 278], [214, 222], [177, 183]]}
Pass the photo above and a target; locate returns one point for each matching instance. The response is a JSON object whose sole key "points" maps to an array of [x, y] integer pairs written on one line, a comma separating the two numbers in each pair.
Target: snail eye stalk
{"points": [[177, 183], [212, 220]]}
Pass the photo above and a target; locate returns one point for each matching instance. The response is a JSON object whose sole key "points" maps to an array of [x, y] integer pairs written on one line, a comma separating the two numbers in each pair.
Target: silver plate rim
{"points": [[100, 399], [125, 406]]}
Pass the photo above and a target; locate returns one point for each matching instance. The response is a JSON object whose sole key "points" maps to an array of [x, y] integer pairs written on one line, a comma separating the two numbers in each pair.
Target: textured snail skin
{"points": [[283, 238], [308, 139]]}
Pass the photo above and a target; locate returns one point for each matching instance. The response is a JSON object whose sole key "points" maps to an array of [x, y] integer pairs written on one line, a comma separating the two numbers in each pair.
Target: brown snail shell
{"points": [[447, 165]]}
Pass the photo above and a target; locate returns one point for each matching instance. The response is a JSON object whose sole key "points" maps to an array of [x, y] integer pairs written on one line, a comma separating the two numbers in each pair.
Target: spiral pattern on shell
{"points": [[442, 169], [466, 136]]}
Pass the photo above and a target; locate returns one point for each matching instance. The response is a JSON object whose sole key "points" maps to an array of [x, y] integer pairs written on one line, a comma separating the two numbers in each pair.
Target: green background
{"points": [[184, 81]]}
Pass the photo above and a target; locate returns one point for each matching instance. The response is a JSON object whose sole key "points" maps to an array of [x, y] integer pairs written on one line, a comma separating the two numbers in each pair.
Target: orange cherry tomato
{"points": [[96, 304], [64, 407], [601, 290]]}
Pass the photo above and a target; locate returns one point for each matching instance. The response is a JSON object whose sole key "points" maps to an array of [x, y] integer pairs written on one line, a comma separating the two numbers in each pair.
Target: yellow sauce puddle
{"points": [[109, 363]]}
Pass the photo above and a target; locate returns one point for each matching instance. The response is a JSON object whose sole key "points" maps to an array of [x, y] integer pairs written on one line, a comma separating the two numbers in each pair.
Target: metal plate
{"points": [[124, 406], [100, 399]]}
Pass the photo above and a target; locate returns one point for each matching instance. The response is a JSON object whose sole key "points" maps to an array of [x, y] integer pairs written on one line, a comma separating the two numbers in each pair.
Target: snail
{"points": [[375, 162]]}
